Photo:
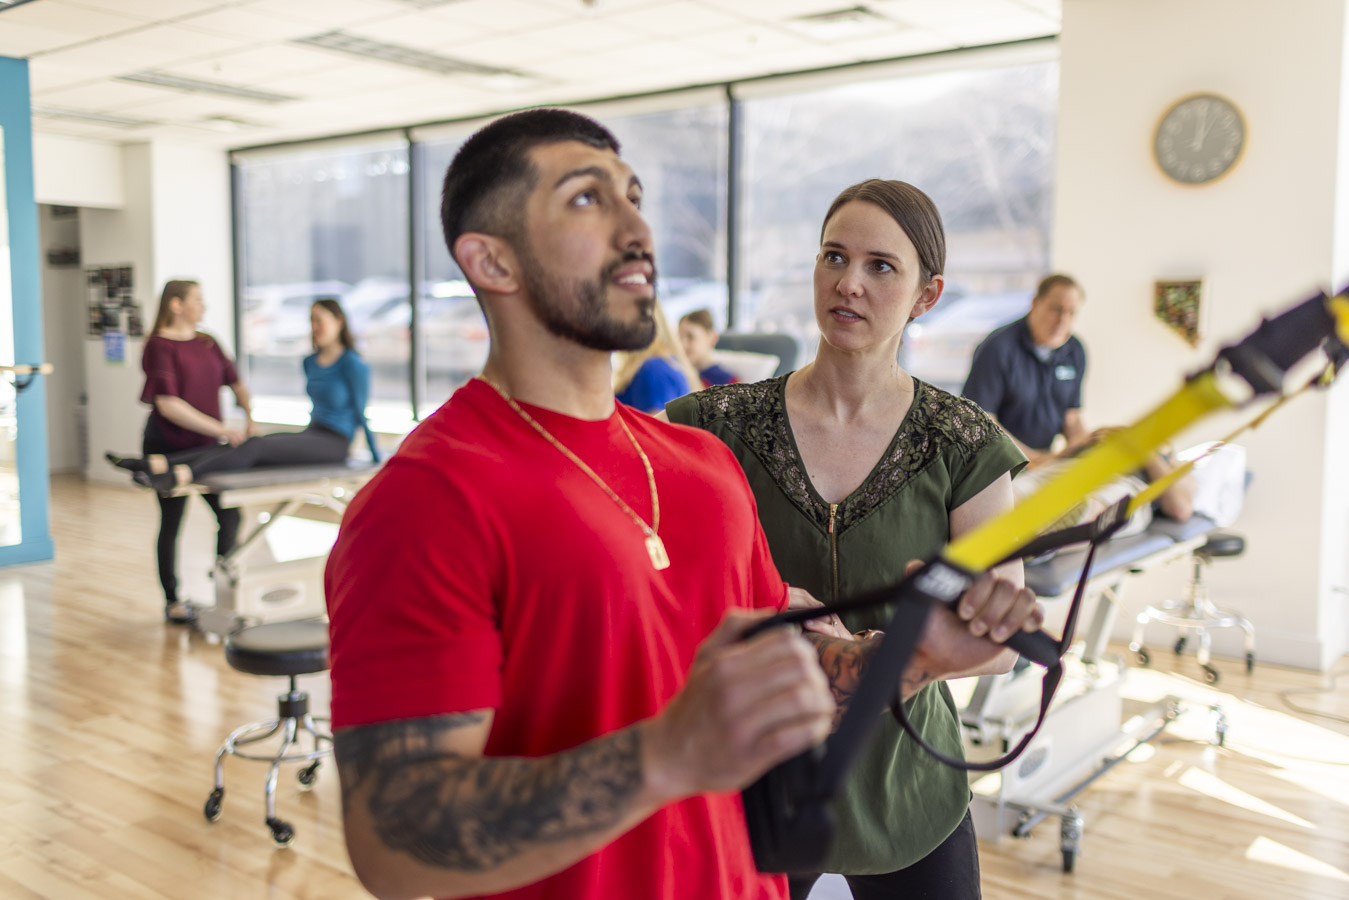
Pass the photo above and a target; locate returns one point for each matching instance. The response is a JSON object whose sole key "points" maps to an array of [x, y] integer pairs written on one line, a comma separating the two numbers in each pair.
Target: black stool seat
{"points": [[1222, 543], [280, 648]]}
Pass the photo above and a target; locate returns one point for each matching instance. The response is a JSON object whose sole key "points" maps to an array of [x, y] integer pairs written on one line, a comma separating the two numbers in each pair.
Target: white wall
{"points": [[1261, 237], [73, 172], [175, 224], [63, 333], [1335, 524], [194, 228]]}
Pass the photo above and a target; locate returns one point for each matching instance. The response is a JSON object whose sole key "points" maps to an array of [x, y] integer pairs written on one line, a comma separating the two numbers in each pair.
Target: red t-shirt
{"points": [[483, 569], [194, 370]]}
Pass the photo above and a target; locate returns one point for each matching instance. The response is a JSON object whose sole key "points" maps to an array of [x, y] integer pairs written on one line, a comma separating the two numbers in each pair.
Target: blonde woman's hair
{"points": [[627, 362]]}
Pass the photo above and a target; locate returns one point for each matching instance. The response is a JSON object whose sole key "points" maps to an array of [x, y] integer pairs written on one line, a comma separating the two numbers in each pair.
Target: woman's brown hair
{"points": [[913, 210], [173, 290], [331, 305]]}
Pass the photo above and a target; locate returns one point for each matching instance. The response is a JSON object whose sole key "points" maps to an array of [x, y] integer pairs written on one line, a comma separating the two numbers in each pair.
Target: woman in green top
{"points": [[859, 468]]}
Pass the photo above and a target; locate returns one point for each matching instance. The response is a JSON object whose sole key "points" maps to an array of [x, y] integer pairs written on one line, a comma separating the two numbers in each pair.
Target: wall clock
{"points": [[1199, 139]]}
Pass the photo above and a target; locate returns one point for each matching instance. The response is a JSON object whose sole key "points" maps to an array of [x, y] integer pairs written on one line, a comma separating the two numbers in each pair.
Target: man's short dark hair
{"points": [[492, 175], [1058, 280]]}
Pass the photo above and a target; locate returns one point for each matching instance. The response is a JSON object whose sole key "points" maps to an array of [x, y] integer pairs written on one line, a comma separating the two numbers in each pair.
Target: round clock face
{"points": [[1199, 139]]}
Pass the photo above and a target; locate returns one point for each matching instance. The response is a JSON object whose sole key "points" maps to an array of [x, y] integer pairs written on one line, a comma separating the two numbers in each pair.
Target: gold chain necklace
{"points": [[655, 548]]}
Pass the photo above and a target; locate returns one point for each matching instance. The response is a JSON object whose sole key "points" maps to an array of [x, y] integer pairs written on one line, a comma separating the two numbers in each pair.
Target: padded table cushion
{"points": [[1059, 574], [280, 648], [270, 476]]}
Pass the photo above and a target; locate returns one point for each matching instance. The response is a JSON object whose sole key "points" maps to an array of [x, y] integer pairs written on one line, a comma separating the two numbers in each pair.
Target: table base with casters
{"points": [[253, 583]]}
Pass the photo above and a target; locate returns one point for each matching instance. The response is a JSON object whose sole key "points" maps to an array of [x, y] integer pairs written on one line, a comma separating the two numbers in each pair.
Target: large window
{"points": [[979, 142], [451, 331], [680, 157], [324, 223], [342, 220]]}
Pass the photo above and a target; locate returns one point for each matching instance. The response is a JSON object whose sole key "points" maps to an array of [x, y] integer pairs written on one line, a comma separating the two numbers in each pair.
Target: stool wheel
{"points": [[1143, 656], [1180, 644], [283, 835], [1210, 674], [308, 775], [213, 803], [1250, 662]]}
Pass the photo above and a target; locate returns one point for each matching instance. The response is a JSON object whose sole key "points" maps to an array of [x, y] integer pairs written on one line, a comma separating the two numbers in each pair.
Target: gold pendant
{"points": [[655, 548]]}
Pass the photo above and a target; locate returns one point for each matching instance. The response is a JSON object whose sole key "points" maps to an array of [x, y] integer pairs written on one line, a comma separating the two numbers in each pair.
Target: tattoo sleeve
{"points": [[845, 663], [473, 814]]}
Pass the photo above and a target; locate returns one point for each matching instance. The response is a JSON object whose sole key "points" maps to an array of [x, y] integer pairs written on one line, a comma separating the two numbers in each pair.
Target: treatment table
{"points": [[254, 583], [1084, 735]]}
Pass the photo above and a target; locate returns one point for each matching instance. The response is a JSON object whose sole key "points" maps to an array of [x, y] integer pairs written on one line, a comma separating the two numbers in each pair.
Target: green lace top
{"points": [[898, 803]]}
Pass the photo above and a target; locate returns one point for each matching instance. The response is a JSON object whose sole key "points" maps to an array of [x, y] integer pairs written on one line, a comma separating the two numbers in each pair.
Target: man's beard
{"points": [[576, 310]]}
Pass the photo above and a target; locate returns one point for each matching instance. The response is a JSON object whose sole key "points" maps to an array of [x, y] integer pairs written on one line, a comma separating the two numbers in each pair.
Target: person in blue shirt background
{"points": [[337, 380], [648, 379], [698, 337], [1028, 374]]}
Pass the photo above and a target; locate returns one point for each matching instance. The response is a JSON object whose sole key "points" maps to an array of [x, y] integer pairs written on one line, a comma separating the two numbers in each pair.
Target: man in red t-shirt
{"points": [[538, 682]]}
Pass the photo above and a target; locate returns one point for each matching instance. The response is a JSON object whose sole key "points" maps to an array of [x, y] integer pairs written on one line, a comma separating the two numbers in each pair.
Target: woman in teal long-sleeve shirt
{"points": [[337, 381]]}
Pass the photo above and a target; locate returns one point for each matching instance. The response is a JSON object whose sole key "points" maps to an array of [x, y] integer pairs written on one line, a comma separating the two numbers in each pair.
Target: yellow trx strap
{"points": [[1124, 451], [1160, 486]]}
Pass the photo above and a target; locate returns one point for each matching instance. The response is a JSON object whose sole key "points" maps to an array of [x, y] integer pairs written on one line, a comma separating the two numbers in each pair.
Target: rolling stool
{"points": [[280, 648], [1198, 614]]}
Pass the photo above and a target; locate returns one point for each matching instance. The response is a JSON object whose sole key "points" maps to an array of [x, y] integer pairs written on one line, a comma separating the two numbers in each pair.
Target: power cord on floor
{"points": [[1302, 710]]}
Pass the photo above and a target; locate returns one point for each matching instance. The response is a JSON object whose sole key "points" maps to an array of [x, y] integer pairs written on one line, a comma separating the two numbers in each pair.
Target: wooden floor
{"points": [[109, 720]]}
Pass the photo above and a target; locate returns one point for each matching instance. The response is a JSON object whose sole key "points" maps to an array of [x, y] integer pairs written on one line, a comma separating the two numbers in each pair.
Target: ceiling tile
{"points": [[600, 7], [994, 31], [104, 96], [675, 19], [44, 75], [250, 23], [423, 31], [152, 10], [507, 16], [1051, 8], [330, 15], [908, 42], [148, 48], [178, 42], [181, 105], [59, 15], [622, 64], [96, 59], [345, 79], [749, 41], [929, 14], [20, 41], [257, 66]]}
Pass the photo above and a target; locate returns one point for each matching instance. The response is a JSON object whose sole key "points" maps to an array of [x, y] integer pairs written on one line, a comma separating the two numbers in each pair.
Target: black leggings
{"points": [[951, 872], [171, 511], [312, 446]]}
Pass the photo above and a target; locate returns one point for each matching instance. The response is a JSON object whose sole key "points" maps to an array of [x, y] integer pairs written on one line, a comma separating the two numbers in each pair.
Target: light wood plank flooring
{"points": [[109, 720]]}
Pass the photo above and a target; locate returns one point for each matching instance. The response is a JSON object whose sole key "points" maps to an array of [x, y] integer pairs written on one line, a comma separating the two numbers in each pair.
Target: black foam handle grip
{"points": [[1036, 646]]}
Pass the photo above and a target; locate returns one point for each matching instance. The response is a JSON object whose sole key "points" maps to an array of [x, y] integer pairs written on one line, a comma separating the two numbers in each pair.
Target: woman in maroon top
{"points": [[184, 372]]}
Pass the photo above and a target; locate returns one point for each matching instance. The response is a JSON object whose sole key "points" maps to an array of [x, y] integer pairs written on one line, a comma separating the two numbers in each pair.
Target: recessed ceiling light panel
{"points": [[199, 86], [398, 54], [93, 118]]}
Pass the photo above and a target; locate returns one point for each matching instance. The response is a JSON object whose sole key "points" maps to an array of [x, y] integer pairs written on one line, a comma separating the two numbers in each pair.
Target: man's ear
{"points": [[488, 262]]}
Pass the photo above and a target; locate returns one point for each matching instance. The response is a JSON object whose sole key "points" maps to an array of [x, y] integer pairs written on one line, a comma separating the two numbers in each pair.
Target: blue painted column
{"points": [[25, 275]]}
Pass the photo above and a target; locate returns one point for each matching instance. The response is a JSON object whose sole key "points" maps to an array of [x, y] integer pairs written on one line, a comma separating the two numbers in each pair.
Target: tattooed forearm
{"points": [[472, 814], [845, 663]]}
